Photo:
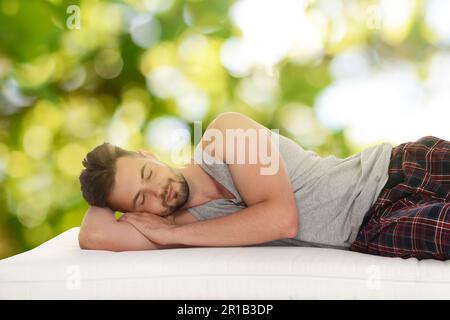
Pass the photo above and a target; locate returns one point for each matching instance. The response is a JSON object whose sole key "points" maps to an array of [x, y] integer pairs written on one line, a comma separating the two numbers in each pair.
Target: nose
{"points": [[155, 190]]}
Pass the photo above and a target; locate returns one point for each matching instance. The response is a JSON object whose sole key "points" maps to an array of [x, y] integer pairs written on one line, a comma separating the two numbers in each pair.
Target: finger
{"points": [[134, 223], [135, 217], [140, 227], [133, 212], [131, 215], [138, 214], [130, 219]]}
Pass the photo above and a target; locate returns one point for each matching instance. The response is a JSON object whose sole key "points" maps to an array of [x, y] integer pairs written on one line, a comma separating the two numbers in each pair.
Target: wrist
{"points": [[171, 219], [173, 236]]}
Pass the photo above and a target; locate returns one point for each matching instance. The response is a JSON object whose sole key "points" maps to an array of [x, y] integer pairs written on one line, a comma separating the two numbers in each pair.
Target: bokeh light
{"points": [[145, 30], [108, 64], [162, 133], [69, 159], [333, 75]]}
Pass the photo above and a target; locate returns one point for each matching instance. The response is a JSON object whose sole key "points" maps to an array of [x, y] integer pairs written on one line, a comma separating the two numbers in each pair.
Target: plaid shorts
{"points": [[411, 216]]}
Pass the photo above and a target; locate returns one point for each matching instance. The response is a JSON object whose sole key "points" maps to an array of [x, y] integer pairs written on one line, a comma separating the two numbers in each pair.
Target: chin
{"points": [[165, 214]]}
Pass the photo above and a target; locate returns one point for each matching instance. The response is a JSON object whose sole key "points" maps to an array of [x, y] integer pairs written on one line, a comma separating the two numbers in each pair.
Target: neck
{"points": [[202, 187]]}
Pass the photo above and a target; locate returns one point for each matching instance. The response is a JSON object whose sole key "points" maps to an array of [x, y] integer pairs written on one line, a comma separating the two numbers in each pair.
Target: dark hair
{"points": [[97, 178]]}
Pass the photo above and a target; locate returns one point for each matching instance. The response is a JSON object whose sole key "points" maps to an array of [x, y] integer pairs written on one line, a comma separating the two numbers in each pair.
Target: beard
{"points": [[179, 197]]}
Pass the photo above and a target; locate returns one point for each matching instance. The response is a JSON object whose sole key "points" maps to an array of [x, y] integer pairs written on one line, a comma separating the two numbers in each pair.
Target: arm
{"points": [[100, 230], [241, 228], [271, 211]]}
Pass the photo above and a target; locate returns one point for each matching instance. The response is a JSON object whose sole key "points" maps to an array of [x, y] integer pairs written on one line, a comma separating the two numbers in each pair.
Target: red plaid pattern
{"points": [[411, 216]]}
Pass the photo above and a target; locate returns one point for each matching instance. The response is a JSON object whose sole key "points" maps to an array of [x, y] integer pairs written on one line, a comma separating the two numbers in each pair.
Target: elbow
{"points": [[287, 222], [85, 241], [90, 241], [292, 232], [95, 241], [293, 226]]}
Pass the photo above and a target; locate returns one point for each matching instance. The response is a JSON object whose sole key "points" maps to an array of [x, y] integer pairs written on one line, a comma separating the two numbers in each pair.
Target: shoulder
{"points": [[229, 115], [234, 120], [229, 118]]}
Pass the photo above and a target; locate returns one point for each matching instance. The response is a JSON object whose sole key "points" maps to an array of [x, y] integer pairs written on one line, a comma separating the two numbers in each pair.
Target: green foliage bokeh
{"points": [[63, 91]]}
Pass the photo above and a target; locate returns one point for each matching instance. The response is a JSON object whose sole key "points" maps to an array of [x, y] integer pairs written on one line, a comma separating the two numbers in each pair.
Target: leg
{"points": [[416, 169], [418, 185], [427, 164], [421, 231]]}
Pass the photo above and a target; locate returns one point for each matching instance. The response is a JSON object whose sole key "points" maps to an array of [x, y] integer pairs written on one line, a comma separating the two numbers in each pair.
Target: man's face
{"points": [[142, 183]]}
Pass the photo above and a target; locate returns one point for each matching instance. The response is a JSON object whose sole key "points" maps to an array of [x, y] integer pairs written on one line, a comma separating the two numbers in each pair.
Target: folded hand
{"points": [[155, 228]]}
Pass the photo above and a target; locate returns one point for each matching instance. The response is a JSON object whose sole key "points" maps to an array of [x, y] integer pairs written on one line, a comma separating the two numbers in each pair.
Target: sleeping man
{"points": [[385, 201]]}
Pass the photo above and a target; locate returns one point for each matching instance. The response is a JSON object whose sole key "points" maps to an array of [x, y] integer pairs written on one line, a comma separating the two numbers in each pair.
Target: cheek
{"points": [[153, 205]]}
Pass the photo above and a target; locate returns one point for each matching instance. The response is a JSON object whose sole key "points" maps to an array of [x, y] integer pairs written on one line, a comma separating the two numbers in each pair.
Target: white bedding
{"points": [[59, 269]]}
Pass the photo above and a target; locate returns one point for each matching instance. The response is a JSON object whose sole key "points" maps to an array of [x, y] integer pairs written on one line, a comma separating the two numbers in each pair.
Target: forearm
{"points": [[253, 225], [122, 237], [101, 231]]}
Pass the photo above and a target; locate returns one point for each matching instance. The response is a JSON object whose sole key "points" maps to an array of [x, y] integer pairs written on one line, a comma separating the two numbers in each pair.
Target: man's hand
{"points": [[101, 231], [155, 228]]}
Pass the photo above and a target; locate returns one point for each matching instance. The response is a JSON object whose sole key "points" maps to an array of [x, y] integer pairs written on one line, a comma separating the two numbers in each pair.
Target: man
{"points": [[357, 203]]}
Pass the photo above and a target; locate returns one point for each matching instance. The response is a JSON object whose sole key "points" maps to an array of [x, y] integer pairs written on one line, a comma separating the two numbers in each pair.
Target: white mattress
{"points": [[59, 269]]}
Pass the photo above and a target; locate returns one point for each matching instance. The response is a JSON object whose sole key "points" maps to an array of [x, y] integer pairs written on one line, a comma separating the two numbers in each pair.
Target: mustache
{"points": [[182, 193], [177, 178]]}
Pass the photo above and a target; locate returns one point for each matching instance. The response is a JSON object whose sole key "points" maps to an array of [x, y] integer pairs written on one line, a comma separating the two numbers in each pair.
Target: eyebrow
{"points": [[137, 194]]}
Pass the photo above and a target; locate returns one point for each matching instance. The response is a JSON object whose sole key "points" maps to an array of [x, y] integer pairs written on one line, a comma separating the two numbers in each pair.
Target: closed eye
{"points": [[146, 179]]}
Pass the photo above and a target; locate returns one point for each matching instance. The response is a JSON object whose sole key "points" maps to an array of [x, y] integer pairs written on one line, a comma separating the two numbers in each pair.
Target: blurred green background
{"points": [[74, 74]]}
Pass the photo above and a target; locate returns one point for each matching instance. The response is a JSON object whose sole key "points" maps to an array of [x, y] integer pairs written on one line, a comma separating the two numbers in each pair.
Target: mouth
{"points": [[169, 193]]}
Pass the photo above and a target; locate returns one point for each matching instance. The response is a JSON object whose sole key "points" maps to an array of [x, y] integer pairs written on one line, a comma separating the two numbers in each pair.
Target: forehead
{"points": [[126, 165], [127, 179]]}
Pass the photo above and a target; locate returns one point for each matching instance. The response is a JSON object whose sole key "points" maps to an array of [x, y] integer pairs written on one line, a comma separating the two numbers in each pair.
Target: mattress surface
{"points": [[59, 269]]}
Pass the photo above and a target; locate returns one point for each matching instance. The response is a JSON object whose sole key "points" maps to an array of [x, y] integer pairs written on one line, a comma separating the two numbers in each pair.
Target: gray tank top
{"points": [[333, 194]]}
